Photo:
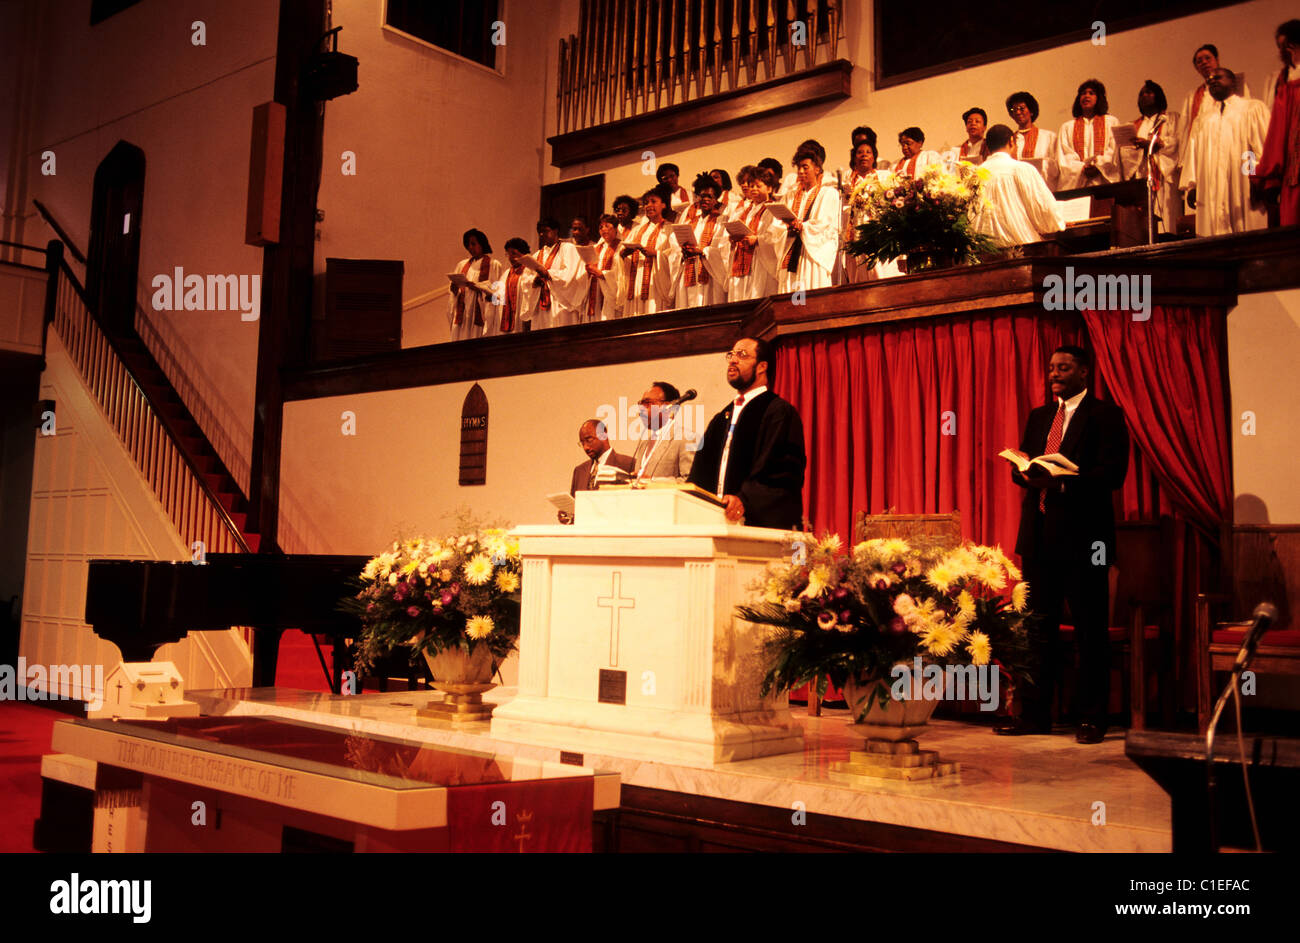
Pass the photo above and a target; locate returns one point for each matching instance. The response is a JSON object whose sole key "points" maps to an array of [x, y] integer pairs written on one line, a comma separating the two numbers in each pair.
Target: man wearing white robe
{"points": [[812, 242], [1032, 141], [1085, 146], [566, 289], [1213, 178], [1019, 209], [701, 272]]}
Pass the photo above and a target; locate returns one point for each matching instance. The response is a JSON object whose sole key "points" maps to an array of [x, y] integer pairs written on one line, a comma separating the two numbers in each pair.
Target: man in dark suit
{"points": [[752, 455], [1067, 540], [595, 442]]}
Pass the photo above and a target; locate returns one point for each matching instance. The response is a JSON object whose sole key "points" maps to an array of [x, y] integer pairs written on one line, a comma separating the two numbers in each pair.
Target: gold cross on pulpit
{"points": [[615, 602], [523, 818]]}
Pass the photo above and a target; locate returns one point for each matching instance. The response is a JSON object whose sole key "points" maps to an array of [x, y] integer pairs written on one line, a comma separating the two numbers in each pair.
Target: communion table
{"points": [[629, 641], [260, 784]]}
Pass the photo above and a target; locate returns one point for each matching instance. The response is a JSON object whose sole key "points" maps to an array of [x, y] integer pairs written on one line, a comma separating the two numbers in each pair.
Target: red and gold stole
{"points": [[791, 260], [742, 256], [483, 274], [1098, 136], [908, 167], [1028, 141], [1196, 104], [459, 317], [545, 303], [512, 299], [692, 214], [696, 272], [646, 265], [605, 262], [979, 150]]}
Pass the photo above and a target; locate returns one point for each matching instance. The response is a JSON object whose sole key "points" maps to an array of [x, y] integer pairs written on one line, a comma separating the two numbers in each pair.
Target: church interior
{"points": [[261, 451]]}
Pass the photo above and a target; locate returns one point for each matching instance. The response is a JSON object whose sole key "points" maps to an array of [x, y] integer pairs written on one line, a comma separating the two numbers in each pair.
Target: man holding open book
{"points": [[1067, 537]]}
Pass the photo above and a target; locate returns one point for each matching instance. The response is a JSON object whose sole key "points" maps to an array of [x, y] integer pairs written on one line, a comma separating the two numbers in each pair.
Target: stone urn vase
{"points": [[462, 677], [896, 720]]}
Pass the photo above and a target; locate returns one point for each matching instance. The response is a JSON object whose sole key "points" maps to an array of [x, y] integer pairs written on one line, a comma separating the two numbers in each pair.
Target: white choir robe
{"points": [[475, 304], [1044, 148], [602, 293], [1020, 208], [1070, 163], [716, 263], [635, 274], [1168, 201], [1206, 99], [1212, 165], [525, 294], [681, 199], [761, 280], [857, 271], [568, 285], [916, 166], [821, 241]]}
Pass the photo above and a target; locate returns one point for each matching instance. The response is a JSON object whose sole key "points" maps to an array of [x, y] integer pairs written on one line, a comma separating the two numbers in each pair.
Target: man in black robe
{"points": [[752, 455]]}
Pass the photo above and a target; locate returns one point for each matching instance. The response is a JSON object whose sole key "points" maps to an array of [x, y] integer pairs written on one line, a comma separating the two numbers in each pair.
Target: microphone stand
{"points": [[1151, 181]]}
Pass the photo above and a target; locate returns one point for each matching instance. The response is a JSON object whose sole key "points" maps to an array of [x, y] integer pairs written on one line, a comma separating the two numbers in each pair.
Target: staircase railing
{"points": [[140, 423]]}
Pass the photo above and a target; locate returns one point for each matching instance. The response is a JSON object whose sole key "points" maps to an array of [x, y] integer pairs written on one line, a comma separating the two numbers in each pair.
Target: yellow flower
{"points": [[1019, 596], [507, 581], [831, 543], [410, 568], [371, 569], [979, 648], [479, 627], [478, 570], [444, 575], [940, 638], [941, 576], [392, 579], [894, 547], [817, 580]]}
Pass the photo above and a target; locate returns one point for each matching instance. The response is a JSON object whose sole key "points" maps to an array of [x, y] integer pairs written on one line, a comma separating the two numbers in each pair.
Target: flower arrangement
{"points": [[433, 594], [853, 616], [921, 218]]}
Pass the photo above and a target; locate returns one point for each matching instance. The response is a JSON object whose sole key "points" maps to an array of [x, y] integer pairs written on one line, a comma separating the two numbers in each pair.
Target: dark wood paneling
{"points": [[829, 82]]}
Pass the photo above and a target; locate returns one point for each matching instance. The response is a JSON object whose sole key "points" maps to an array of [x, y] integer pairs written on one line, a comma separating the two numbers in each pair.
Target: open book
{"points": [[587, 254], [738, 229], [779, 211], [1055, 464], [685, 235]]}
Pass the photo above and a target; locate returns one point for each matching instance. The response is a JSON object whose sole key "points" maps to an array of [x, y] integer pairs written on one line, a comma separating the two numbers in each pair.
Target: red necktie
{"points": [[1053, 443]]}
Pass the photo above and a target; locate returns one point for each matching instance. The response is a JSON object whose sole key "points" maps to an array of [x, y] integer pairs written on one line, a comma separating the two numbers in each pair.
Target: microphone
{"points": [[684, 398], [1263, 617]]}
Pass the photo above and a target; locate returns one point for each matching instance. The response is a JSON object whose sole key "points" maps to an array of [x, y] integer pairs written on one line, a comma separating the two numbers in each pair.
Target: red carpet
{"points": [[298, 665], [24, 739]]}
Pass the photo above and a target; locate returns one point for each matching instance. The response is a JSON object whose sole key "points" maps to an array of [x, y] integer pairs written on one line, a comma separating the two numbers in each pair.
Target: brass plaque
{"points": [[613, 686], [570, 759]]}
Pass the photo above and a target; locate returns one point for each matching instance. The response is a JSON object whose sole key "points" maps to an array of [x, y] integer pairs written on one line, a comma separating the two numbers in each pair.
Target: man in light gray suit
{"points": [[665, 454]]}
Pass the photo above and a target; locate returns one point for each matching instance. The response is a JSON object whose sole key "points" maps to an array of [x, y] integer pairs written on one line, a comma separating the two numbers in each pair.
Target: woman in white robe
{"points": [[812, 243], [1031, 141], [468, 307], [700, 274], [1161, 130], [646, 276], [857, 270], [565, 290], [754, 258], [1085, 146], [604, 303], [515, 296]]}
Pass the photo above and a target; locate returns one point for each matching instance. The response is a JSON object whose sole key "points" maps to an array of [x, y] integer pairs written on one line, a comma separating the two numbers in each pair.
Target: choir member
{"points": [[580, 231], [469, 308], [1085, 147], [973, 149], [915, 159], [1018, 207], [1158, 129], [812, 243], [626, 211], [666, 196], [604, 302], [1205, 60], [1032, 141], [774, 165], [857, 271], [700, 272], [754, 258], [1212, 177], [678, 198], [646, 279], [516, 296], [1278, 170], [564, 283], [791, 180], [862, 133], [726, 202]]}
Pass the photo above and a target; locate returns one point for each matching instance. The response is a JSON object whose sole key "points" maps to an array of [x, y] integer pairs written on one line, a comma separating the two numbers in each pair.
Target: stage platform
{"points": [[1012, 794]]}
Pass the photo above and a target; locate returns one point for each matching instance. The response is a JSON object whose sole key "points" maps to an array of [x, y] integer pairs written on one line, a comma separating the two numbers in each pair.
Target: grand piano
{"points": [[142, 604]]}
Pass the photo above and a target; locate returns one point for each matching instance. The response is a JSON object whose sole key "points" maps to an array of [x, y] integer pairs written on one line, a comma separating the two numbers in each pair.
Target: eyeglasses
{"points": [[651, 402], [737, 355]]}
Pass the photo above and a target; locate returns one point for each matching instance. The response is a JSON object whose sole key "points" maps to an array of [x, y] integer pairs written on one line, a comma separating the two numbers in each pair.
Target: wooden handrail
{"points": [[144, 429]]}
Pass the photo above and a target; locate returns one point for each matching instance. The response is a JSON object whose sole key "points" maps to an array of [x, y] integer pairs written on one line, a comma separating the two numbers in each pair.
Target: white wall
{"points": [[398, 475]]}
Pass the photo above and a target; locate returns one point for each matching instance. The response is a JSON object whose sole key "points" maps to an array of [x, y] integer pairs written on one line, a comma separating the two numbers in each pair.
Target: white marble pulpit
{"points": [[629, 644]]}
